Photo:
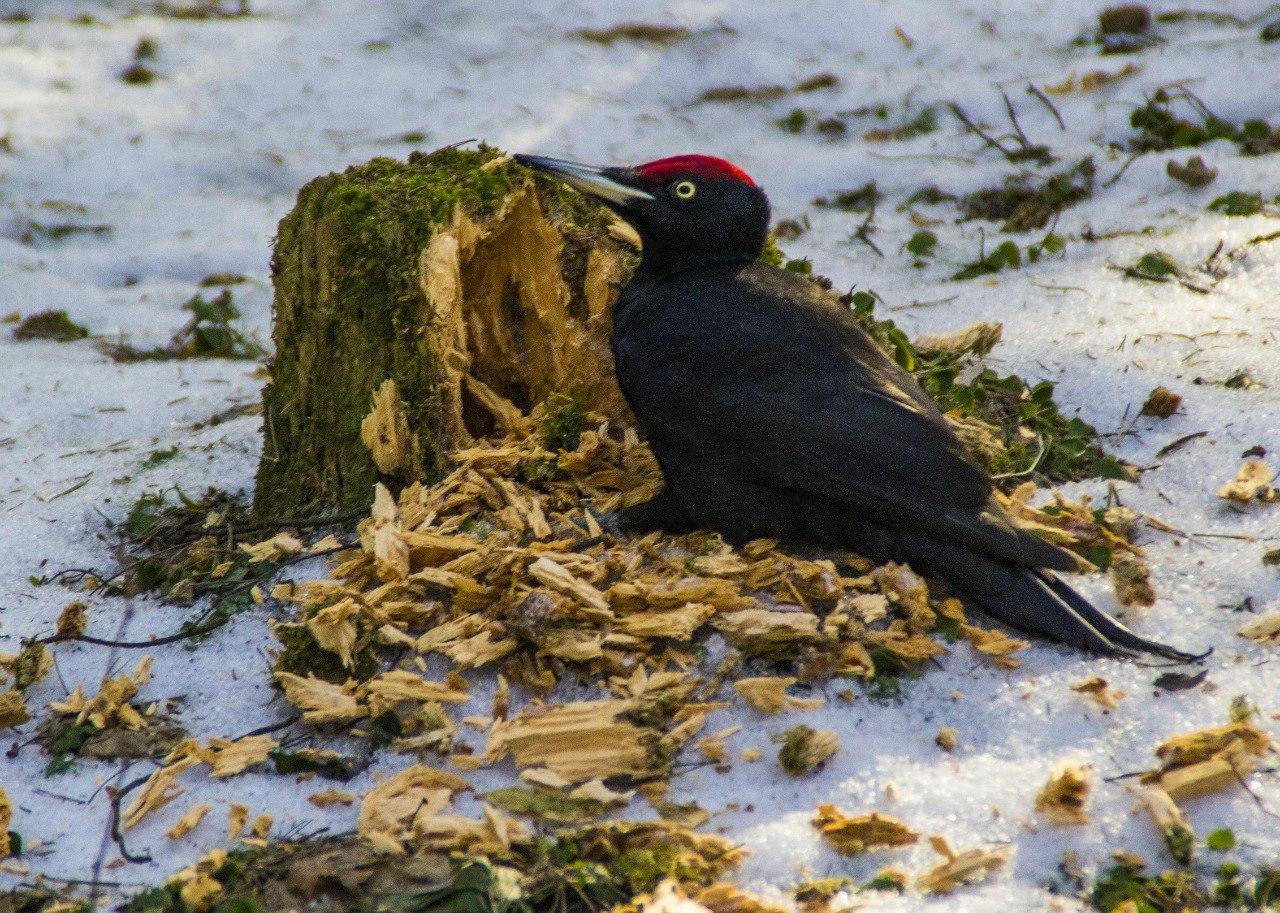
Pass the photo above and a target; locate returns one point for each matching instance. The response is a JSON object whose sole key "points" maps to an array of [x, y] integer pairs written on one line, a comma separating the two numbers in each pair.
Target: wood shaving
{"points": [[1099, 690], [198, 888], [389, 813], [188, 822], [1169, 821], [968, 867], [279, 546], [861, 834], [227, 758], [385, 431], [321, 702], [768, 694], [330, 797], [261, 827], [6, 818], [1063, 797], [237, 818], [161, 787], [1252, 483], [13, 709], [1208, 760], [1264, 629], [1131, 580], [578, 741]]}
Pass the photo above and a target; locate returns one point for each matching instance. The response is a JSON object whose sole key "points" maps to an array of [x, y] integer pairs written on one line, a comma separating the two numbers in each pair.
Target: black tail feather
{"points": [[1108, 627], [1031, 600]]}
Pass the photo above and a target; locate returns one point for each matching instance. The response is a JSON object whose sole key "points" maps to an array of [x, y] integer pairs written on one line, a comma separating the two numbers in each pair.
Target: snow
{"points": [[193, 171]]}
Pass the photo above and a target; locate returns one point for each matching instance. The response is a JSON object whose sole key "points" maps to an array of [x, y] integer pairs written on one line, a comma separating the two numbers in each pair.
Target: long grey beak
{"points": [[598, 182]]}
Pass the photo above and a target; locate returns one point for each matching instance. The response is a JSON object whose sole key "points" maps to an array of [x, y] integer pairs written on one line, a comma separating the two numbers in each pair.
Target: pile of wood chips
{"points": [[504, 564]]}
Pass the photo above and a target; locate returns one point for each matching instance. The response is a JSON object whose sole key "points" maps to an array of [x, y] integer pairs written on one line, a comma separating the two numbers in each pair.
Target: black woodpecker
{"points": [[773, 414]]}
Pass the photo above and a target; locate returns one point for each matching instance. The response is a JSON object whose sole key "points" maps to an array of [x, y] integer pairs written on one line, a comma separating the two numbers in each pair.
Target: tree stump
{"points": [[474, 290]]}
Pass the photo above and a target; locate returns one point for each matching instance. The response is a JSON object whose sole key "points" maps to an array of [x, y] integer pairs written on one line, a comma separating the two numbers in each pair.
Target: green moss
{"points": [[795, 122], [859, 199], [584, 870], [771, 254], [1238, 203], [303, 656], [1179, 120], [818, 81], [795, 756], [54, 325], [1168, 892], [742, 94], [160, 457], [544, 804], [645, 32], [563, 424], [1026, 204], [1221, 840], [327, 764], [138, 74]]}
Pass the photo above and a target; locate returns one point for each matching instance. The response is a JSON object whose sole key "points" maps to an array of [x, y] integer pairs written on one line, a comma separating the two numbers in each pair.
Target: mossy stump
{"points": [[458, 278]]}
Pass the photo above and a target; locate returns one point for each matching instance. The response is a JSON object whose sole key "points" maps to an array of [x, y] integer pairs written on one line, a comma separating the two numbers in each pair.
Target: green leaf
{"points": [[545, 804]]}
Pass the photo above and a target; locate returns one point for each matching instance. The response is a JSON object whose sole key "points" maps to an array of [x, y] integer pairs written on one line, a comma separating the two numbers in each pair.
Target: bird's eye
{"points": [[684, 190]]}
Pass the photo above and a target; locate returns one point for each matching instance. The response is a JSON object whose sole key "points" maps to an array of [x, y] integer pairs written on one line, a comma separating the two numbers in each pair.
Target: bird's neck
{"points": [[661, 263]]}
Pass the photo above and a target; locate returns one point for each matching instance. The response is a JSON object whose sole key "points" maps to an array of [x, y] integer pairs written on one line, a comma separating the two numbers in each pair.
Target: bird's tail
{"points": [[1039, 602], [1069, 617]]}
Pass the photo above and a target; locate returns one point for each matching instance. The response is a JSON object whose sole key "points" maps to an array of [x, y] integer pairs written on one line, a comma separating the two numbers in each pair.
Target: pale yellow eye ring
{"points": [[685, 190]]}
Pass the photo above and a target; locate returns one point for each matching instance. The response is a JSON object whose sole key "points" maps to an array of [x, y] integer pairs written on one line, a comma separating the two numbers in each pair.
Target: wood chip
{"points": [[768, 694], [1252, 483], [968, 867], [861, 834], [1063, 797], [1099, 690]]}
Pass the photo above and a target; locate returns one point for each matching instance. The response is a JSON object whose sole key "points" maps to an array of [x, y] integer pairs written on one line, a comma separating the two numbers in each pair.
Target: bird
{"points": [[772, 413]]}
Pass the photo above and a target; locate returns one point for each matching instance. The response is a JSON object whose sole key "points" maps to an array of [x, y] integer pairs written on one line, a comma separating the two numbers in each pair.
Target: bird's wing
{"points": [[785, 385]]}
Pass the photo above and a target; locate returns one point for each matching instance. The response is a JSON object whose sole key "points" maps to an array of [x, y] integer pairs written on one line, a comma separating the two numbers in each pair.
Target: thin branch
{"points": [[978, 131], [196, 630], [1035, 93], [116, 797]]}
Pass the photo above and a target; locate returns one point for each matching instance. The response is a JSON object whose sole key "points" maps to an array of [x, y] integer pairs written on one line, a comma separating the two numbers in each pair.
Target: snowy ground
{"points": [[193, 171]]}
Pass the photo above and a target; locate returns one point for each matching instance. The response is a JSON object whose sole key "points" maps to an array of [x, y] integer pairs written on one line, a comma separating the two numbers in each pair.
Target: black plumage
{"points": [[773, 414]]}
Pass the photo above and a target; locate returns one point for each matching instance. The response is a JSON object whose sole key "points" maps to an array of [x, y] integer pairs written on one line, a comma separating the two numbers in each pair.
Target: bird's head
{"points": [[688, 209]]}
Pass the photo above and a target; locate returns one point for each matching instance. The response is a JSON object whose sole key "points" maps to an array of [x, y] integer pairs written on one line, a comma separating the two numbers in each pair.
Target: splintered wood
{"points": [[1208, 760]]}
